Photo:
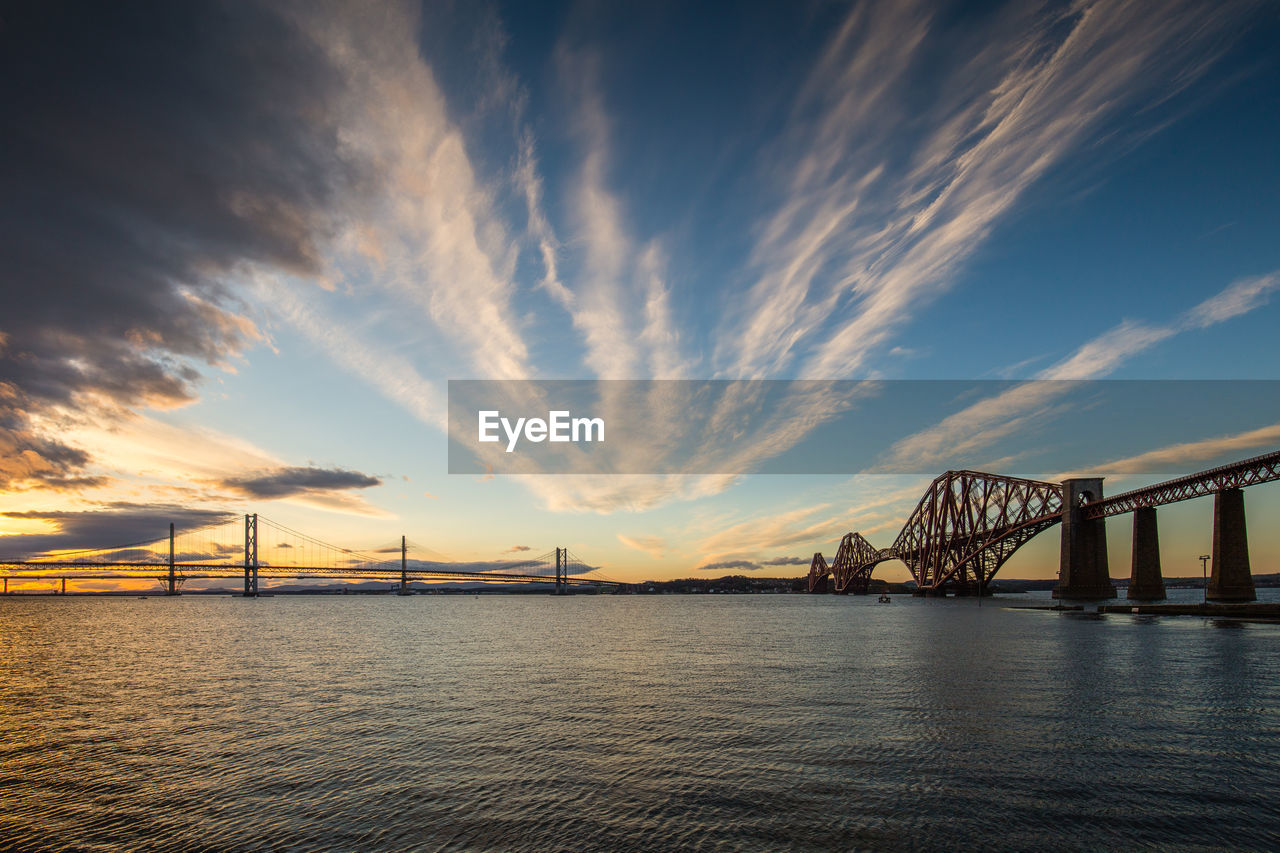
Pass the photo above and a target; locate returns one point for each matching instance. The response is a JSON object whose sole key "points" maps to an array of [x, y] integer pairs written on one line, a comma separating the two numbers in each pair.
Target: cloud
{"points": [[291, 481], [1240, 298], [882, 506], [1023, 406], [654, 546], [885, 188], [1105, 353], [604, 493], [432, 234], [787, 561], [1183, 455], [30, 457], [321, 153], [517, 548], [392, 374], [430, 237], [160, 555], [530, 183], [621, 303], [730, 565], [151, 156], [115, 524], [751, 565], [187, 463], [878, 205]]}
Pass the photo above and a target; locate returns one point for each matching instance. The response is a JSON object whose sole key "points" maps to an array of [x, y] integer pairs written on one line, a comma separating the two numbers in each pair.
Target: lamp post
{"points": [[1204, 573]]}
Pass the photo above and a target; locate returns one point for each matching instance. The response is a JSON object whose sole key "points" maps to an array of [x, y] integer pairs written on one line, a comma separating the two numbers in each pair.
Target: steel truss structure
{"points": [[969, 523], [854, 561], [851, 570], [819, 573], [965, 527], [1248, 472]]}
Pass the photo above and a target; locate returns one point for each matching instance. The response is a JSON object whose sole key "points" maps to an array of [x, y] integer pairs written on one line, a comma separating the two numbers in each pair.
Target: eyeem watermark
{"points": [[1034, 428], [560, 426]]}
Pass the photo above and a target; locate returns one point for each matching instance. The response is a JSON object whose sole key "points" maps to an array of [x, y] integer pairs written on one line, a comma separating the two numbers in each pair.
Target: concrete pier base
{"points": [[1146, 583], [1083, 571], [1231, 579]]}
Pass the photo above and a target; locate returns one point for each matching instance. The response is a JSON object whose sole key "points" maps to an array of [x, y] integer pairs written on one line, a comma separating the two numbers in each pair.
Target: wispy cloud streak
{"points": [[433, 236], [865, 236], [620, 303], [986, 423]]}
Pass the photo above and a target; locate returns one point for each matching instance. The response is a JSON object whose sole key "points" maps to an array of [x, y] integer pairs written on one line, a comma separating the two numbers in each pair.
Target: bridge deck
{"points": [[19, 570]]}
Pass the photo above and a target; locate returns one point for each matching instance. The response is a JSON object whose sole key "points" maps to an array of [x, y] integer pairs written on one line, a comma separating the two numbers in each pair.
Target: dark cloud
{"points": [[787, 561], [745, 565], [27, 457], [283, 482], [518, 548], [160, 556], [751, 566], [115, 524], [151, 149]]}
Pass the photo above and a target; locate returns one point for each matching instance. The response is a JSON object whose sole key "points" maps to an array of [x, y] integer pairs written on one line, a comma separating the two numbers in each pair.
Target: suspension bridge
{"points": [[969, 523], [258, 547]]}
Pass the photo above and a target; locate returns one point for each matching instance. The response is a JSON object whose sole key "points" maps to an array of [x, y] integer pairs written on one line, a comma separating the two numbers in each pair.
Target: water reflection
{"points": [[629, 723]]}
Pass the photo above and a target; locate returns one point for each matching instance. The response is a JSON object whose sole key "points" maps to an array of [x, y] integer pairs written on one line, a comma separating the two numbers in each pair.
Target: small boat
{"points": [[884, 599]]}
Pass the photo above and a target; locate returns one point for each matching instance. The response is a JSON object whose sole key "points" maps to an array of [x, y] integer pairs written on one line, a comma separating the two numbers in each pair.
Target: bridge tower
{"points": [[1083, 571], [1231, 579], [173, 577], [404, 567], [251, 556], [559, 587]]}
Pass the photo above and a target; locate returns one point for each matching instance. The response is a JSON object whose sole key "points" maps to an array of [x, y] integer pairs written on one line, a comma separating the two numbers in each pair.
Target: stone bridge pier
{"points": [[1146, 582], [1232, 579], [1083, 571]]}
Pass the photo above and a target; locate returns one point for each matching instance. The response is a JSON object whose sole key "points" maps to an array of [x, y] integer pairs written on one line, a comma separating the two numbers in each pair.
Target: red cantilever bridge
{"points": [[969, 523], [261, 547]]}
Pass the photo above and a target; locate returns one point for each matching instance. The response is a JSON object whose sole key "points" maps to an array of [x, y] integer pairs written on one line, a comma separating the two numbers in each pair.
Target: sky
{"points": [[245, 247]]}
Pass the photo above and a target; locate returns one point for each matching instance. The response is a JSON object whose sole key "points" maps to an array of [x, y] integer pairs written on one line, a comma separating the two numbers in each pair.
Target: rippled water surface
{"points": [[661, 723]]}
